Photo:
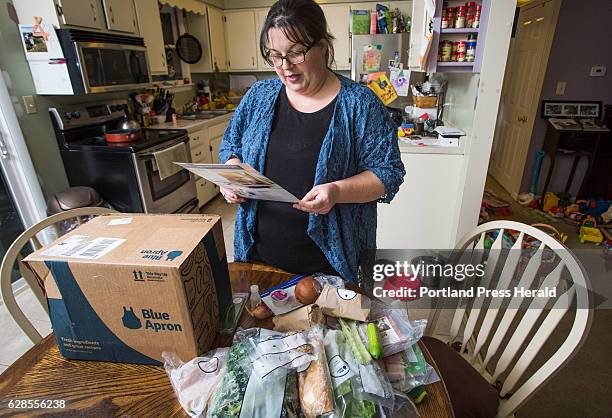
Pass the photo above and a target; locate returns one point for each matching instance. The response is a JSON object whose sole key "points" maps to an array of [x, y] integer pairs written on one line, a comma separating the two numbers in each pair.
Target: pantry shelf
{"points": [[455, 64], [458, 30]]}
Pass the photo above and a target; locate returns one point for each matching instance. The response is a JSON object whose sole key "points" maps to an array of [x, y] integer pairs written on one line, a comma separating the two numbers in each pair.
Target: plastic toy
{"points": [[550, 200], [556, 211], [588, 234], [574, 218], [589, 221], [573, 208], [565, 199]]}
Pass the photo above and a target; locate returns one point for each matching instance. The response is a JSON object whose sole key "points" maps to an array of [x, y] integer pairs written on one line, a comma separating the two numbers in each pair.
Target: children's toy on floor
{"points": [[556, 211], [496, 205], [589, 234], [607, 244], [550, 200]]}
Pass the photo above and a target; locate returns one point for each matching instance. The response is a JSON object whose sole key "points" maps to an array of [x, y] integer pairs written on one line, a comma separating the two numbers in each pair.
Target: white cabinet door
{"points": [[216, 136], [261, 19], [197, 25], [240, 40], [149, 23], [87, 14], [337, 16], [120, 15], [217, 38]]}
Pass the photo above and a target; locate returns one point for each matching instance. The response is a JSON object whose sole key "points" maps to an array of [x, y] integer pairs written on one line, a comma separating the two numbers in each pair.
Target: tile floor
{"points": [[15, 342]]}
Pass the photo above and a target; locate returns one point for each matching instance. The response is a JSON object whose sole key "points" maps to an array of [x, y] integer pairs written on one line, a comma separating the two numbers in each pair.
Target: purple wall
{"points": [[583, 38]]}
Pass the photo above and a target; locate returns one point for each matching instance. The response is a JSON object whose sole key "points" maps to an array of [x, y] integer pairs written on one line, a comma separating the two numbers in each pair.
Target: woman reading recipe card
{"points": [[323, 138]]}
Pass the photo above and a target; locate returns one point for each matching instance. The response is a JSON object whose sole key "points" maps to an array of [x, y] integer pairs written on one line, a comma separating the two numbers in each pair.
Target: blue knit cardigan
{"points": [[360, 137]]}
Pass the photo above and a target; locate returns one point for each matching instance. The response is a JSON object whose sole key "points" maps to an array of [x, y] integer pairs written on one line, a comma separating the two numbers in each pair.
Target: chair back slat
{"points": [[504, 282], [468, 257], [527, 322], [36, 243], [549, 324], [488, 275]]}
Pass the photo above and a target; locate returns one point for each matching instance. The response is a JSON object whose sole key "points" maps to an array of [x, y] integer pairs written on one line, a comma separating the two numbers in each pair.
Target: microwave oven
{"points": [[98, 62]]}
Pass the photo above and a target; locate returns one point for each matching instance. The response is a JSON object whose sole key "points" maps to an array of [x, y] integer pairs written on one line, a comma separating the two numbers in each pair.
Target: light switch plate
{"points": [[598, 71], [30, 104], [560, 88]]}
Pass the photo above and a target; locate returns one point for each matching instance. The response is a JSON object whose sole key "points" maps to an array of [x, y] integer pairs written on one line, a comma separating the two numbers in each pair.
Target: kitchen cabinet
{"points": [[87, 14], [217, 38], [197, 25], [241, 48], [337, 16], [149, 23], [199, 145], [262, 64], [120, 15]]}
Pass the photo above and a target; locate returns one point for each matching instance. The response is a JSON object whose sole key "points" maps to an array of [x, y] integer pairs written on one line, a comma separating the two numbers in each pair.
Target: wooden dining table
{"points": [[103, 389]]}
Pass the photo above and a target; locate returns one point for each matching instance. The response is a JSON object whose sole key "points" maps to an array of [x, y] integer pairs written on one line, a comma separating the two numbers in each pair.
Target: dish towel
{"points": [[166, 158]]}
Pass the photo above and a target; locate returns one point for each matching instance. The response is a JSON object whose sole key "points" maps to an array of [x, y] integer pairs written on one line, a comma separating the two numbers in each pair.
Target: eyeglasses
{"points": [[292, 57]]}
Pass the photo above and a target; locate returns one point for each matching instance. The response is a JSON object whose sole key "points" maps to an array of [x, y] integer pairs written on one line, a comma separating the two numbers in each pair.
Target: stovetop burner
{"points": [[148, 138]]}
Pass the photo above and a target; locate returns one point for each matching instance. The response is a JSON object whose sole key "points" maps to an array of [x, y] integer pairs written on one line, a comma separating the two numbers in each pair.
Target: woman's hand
{"points": [[230, 196], [320, 200]]}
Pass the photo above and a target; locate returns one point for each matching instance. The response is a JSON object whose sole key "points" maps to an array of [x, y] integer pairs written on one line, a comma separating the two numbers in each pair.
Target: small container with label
{"points": [[450, 16], [446, 50], [460, 56], [454, 51], [476, 22], [444, 21], [461, 46], [470, 52], [460, 20]]}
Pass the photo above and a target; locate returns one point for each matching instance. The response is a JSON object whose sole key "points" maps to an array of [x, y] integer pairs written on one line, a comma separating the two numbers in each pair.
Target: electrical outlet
{"points": [[30, 104], [560, 88], [598, 71]]}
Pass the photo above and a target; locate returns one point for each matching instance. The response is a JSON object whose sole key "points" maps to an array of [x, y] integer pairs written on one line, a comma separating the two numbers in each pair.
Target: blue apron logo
{"points": [[172, 255], [130, 320]]}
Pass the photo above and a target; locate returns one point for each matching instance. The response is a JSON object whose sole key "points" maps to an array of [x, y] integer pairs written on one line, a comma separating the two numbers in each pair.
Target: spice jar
{"points": [[460, 20], [460, 56], [470, 52], [450, 15], [445, 50], [444, 23], [454, 52], [461, 46], [476, 22]]}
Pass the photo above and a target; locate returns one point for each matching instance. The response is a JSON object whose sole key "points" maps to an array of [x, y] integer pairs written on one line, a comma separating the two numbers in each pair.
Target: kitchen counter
{"points": [[407, 146], [192, 125]]}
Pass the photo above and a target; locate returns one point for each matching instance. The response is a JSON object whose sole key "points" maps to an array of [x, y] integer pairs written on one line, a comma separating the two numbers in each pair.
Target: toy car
{"points": [[588, 234]]}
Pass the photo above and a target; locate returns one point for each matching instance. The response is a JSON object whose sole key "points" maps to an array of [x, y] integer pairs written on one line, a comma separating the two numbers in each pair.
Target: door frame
{"points": [[17, 167], [533, 111]]}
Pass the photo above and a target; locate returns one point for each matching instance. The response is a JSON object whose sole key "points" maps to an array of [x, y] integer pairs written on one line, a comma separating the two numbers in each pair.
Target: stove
{"points": [[124, 174]]}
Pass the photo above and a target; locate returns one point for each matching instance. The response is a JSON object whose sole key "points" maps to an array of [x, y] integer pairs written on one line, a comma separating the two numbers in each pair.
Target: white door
{"points": [[217, 38], [150, 27], [262, 64], [87, 14], [521, 93], [240, 40], [120, 15], [337, 16]]}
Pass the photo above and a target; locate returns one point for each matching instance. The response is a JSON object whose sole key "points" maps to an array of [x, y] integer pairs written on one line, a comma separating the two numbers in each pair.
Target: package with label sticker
{"points": [[126, 288], [299, 320], [344, 303]]}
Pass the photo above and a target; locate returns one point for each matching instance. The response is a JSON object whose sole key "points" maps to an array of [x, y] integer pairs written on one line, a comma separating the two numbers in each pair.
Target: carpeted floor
{"points": [[581, 388]]}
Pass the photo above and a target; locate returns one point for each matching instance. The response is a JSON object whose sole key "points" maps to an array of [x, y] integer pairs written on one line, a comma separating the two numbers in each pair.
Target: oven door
{"points": [[112, 67], [167, 195]]}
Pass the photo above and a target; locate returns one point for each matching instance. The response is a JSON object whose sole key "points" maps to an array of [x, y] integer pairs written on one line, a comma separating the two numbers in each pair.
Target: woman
{"points": [[324, 138]]}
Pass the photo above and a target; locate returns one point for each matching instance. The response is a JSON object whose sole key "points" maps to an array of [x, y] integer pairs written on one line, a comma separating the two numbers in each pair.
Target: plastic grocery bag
{"points": [[397, 332], [408, 369], [194, 382]]}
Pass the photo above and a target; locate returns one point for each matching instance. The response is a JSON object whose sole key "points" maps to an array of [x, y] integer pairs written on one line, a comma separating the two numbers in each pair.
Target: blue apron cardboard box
{"points": [[127, 287]]}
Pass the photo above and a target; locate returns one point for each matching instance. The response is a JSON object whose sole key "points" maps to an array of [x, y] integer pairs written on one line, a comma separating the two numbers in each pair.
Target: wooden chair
{"points": [[13, 255], [500, 342]]}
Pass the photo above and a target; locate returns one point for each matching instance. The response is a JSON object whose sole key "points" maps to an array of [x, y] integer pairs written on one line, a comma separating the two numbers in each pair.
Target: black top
{"points": [[281, 237]]}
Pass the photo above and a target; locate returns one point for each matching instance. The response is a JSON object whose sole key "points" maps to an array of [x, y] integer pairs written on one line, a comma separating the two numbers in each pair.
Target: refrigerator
{"points": [[392, 44]]}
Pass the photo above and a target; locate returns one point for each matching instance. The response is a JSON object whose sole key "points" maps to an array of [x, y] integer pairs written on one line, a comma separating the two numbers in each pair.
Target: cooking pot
{"points": [[122, 135]]}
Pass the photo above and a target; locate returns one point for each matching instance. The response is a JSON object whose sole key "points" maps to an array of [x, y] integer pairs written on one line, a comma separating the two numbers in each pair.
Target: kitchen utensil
{"points": [[188, 48], [122, 135]]}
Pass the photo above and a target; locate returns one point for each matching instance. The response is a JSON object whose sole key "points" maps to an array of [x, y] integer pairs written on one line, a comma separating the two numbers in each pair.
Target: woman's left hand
{"points": [[320, 200]]}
